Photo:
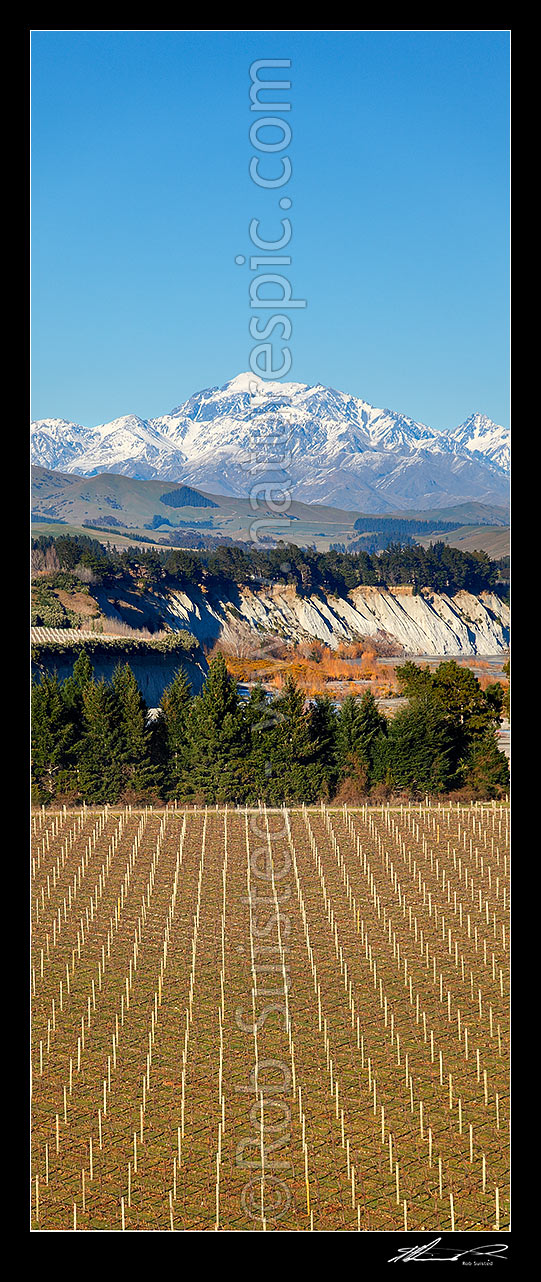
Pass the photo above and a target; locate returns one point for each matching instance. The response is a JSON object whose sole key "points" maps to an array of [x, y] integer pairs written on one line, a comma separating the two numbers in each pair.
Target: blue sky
{"points": [[142, 199]]}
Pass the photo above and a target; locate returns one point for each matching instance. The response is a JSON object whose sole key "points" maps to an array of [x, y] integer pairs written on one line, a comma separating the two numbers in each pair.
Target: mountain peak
{"points": [[254, 385], [314, 443], [247, 382], [480, 435]]}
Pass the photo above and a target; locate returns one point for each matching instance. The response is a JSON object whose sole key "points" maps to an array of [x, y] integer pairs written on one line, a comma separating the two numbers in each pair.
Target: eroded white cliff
{"points": [[422, 623]]}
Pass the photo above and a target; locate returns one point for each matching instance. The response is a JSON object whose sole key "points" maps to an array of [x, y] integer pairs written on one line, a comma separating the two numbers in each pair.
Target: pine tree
{"points": [[83, 672], [487, 770], [417, 754], [260, 723], [465, 708], [52, 738], [139, 773], [347, 733], [293, 757], [100, 764], [360, 727], [171, 736], [455, 698], [72, 694], [371, 725], [323, 723], [217, 739]]}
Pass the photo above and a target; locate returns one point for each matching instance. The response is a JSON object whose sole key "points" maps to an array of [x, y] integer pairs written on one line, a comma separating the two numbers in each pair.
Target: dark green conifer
{"points": [[217, 738], [293, 757], [487, 770], [260, 724], [72, 693], [52, 738], [101, 775], [171, 737], [139, 773], [416, 755], [323, 723], [360, 727]]}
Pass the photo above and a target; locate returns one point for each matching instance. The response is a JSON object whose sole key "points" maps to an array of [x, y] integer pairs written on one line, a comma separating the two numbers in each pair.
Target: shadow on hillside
{"points": [[133, 608]]}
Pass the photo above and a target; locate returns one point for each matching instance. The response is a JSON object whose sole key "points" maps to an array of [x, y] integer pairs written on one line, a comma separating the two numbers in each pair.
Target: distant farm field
{"points": [[283, 1020]]}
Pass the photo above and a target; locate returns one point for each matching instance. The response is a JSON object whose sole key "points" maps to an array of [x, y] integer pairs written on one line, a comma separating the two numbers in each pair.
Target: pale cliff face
{"points": [[426, 623]]}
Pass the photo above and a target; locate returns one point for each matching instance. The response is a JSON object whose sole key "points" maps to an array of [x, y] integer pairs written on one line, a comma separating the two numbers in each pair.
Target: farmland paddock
{"points": [[270, 1019]]}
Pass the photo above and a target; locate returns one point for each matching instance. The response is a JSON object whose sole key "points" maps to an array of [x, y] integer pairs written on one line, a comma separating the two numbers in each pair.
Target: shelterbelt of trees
{"points": [[438, 567], [92, 741]]}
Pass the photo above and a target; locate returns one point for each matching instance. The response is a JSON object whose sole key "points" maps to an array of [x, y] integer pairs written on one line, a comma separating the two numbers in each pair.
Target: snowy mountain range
{"points": [[321, 445]]}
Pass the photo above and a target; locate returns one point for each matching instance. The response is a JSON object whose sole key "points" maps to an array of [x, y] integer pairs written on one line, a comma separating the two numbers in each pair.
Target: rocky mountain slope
{"points": [[319, 444], [427, 623]]}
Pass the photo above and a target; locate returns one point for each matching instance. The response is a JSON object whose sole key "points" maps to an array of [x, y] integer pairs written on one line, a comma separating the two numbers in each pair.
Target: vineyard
{"points": [[292, 1019]]}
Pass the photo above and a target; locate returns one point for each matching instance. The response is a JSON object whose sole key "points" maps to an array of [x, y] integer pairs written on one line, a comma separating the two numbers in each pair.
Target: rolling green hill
{"points": [[123, 508]]}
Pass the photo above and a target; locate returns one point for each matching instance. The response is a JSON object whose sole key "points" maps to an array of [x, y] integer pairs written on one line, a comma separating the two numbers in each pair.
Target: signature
{"points": [[432, 1251]]}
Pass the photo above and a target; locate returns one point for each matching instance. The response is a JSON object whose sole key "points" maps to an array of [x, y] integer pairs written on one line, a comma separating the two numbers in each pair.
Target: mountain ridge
{"points": [[317, 443]]}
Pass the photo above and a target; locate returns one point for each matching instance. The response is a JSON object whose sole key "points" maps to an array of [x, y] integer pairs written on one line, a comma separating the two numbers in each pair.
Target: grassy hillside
{"points": [[119, 508], [493, 539], [470, 513]]}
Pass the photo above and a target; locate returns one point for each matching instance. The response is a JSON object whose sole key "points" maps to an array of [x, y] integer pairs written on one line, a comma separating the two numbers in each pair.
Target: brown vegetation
{"points": [[80, 602], [349, 669], [44, 561]]}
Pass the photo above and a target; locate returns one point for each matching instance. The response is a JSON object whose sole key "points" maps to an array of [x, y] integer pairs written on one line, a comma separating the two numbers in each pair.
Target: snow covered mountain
{"points": [[481, 436], [319, 444]]}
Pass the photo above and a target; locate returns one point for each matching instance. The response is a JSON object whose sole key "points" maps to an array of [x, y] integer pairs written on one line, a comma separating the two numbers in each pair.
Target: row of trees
{"points": [[92, 740], [438, 567]]}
